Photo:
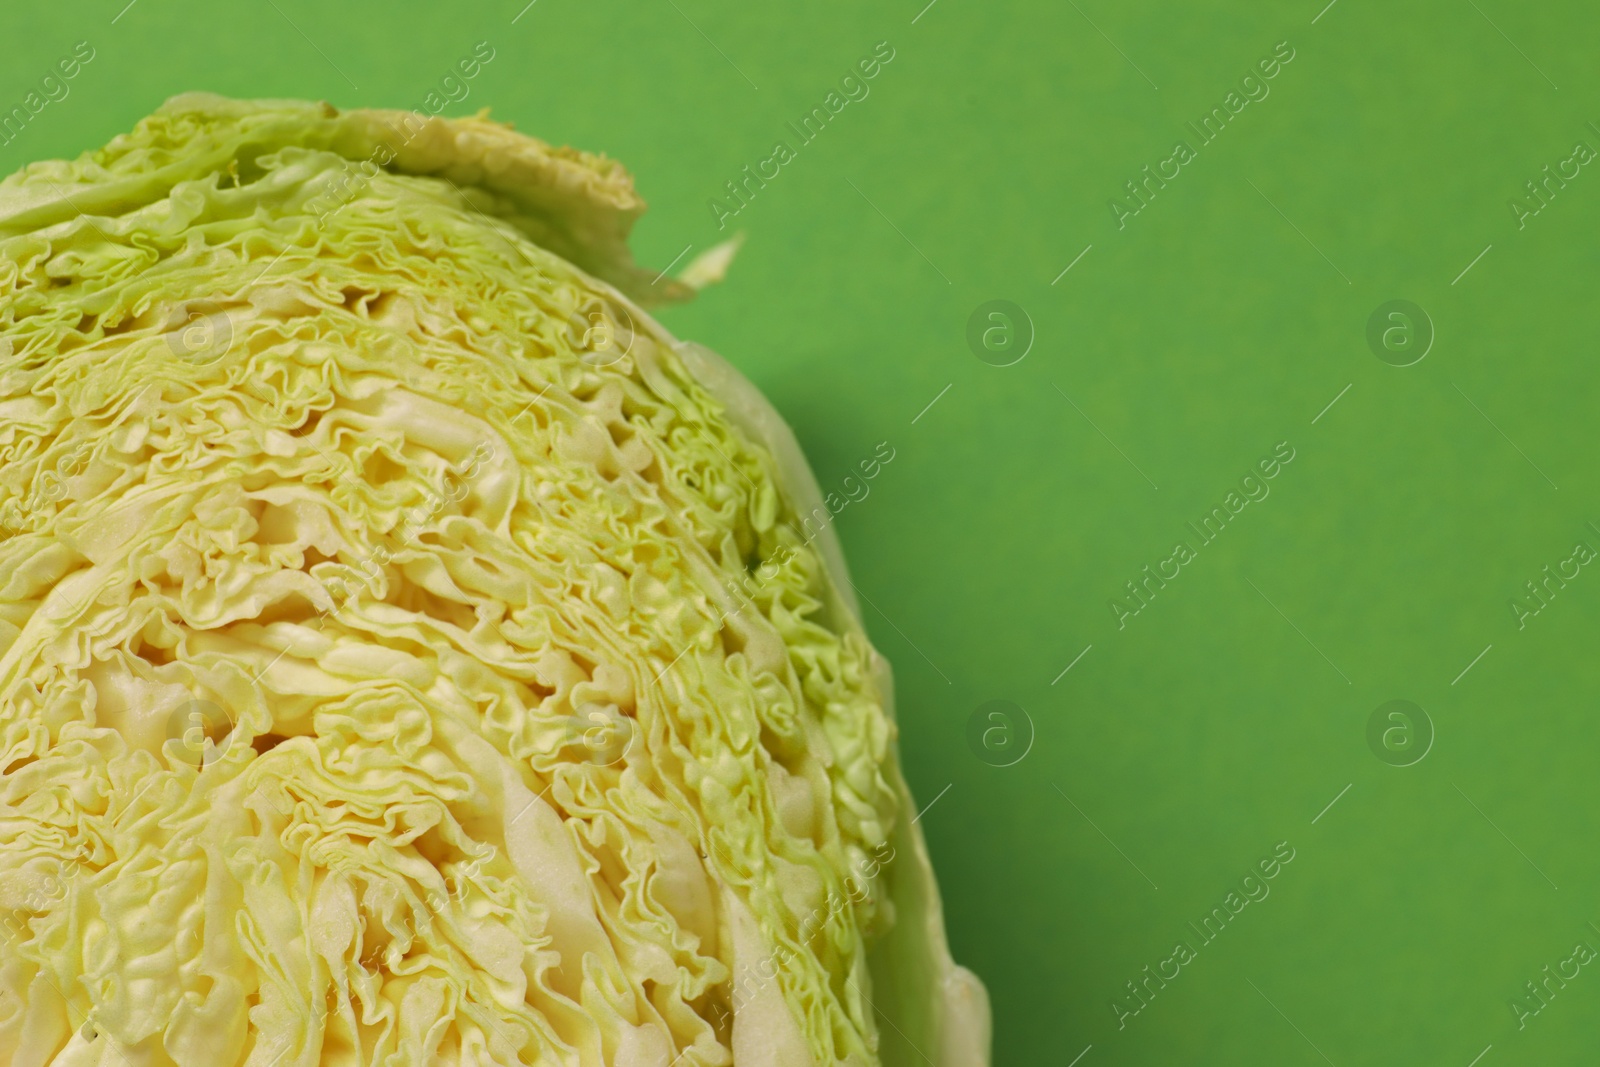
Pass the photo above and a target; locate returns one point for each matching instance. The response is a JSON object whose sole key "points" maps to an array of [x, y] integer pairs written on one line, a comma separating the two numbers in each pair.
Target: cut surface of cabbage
{"points": [[410, 653]]}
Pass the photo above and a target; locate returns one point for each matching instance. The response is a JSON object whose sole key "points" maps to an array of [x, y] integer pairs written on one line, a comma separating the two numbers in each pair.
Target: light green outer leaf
{"points": [[939, 1007]]}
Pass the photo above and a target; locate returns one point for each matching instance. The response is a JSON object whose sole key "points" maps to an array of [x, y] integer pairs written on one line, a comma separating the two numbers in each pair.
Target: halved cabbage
{"points": [[409, 652]]}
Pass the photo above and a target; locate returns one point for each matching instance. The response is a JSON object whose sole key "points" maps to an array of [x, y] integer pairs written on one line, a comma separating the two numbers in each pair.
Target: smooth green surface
{"points": [[1220, 321]]}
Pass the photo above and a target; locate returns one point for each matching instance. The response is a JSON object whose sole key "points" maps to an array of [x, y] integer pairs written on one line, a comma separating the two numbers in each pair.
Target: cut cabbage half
{"points": [[409, 652]]}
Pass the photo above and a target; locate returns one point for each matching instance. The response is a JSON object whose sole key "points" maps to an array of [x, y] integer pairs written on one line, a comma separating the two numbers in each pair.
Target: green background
{"points": [[1221, 320]]}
